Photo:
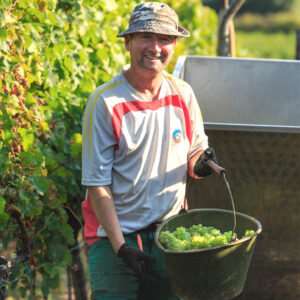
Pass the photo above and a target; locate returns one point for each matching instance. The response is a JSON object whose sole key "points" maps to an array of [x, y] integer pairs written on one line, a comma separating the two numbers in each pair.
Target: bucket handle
{"points": [[220, 171]]}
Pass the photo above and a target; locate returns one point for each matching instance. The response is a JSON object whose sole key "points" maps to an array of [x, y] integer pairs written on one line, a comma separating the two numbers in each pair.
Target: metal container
{"points": [[213, 273], [251, 110], [245, 94]]}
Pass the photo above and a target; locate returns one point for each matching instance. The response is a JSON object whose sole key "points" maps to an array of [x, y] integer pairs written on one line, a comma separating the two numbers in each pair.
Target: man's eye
{"points": [[167, 39], [146, 36]]}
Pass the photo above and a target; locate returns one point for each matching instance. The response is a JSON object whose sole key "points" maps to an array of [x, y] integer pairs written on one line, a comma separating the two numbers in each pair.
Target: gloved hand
{"points": [[201, 168], [136, 260]]}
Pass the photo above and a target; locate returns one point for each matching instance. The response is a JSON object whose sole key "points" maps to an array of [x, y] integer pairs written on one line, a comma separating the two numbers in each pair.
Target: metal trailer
{"points": [[251, 111]]}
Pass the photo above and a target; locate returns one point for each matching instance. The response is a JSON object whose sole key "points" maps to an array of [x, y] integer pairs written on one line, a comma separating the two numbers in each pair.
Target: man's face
{"points": [[150, 52]]}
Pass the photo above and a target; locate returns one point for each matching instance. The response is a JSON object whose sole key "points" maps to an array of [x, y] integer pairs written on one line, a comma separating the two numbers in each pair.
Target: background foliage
{"points": [[258, 44], [256, 6], [271, 35], [284, 22], [53, 53]]}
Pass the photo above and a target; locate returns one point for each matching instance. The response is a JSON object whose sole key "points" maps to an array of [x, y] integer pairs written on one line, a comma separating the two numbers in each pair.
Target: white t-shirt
{"points": [[140, 148]]}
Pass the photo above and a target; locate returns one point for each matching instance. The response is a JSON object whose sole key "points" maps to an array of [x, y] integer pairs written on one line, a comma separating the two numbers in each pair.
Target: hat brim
{"points": [[181, 32]]}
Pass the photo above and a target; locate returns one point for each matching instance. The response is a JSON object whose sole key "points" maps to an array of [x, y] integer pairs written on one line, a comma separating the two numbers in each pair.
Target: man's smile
{"points": [[152, 57]]}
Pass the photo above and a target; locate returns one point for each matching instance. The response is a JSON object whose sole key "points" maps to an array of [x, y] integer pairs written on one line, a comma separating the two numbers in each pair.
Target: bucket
{"points": [[217, 273]]}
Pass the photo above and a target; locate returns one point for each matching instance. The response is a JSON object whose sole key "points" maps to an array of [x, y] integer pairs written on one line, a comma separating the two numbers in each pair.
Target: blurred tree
{"points": [[255, 6]]}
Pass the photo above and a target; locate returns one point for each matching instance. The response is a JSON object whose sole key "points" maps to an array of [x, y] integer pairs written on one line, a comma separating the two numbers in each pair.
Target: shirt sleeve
{"points": [[98, 143], [199, 138]]}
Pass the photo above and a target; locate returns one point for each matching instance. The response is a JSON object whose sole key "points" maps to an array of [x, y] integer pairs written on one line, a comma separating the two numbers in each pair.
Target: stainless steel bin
{"points": [[251, 110]]}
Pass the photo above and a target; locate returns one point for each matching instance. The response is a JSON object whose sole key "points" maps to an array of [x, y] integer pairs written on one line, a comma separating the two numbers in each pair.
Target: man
{"points": [[142, 133]]}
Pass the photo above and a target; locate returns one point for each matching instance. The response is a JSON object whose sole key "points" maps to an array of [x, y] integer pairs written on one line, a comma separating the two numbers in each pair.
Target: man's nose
{"points": [[155, 44]]}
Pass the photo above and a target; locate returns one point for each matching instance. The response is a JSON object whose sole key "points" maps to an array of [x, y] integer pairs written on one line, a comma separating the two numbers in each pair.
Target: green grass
{"points": [[296, 6], [268, 36], [266, 45], [277, 22]]}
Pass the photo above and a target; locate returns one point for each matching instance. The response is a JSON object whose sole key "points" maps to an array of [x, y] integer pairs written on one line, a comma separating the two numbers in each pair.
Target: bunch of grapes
{"points": [[197, 237]]}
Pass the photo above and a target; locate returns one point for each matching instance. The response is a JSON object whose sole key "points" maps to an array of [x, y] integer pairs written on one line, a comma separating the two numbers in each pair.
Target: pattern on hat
{"points": [[155, 17]]}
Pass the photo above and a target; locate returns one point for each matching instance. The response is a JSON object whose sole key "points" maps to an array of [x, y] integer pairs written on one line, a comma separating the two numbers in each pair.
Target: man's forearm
{"points": [[104, 209], [192, 161]]}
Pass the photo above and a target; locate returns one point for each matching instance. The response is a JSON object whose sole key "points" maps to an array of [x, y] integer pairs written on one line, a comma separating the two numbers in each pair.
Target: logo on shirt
{"points": [[177, 135]]}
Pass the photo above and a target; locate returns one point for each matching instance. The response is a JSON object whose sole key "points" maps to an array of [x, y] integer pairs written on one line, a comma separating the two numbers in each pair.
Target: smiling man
{"points": [[142, 133]]}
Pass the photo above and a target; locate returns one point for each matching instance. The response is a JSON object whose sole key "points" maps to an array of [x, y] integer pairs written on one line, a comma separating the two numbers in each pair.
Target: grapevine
{"points": [[52, 55]]}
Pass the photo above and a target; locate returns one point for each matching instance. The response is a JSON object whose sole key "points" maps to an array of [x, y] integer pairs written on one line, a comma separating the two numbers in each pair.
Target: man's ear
{"points": [[127, 41]]}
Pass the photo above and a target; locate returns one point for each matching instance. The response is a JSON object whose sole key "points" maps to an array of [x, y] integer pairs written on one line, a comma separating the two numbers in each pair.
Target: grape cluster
{"points": [[197, 237]]}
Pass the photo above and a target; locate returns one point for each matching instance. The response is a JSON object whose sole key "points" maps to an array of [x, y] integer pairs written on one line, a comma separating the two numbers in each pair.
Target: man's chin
{"points": [[156, 68]]}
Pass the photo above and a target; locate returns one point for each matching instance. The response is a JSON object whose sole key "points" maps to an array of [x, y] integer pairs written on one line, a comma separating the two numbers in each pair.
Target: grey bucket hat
{"points": [[154, 17]]}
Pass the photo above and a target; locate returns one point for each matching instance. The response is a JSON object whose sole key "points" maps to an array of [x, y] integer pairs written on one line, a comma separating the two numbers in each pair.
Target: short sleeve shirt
{"points": [[140, 148]]}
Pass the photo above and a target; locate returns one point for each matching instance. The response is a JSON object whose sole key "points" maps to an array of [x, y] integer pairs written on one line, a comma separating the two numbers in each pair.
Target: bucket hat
{"points": [[155, 17]]}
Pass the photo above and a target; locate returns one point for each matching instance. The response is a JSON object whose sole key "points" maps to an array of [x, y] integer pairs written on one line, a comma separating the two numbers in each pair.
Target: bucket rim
{"points": [[239, 241]]}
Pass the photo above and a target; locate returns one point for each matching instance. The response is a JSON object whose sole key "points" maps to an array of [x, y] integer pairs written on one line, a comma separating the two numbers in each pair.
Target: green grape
{"points": [[196, 229], [228, 236], [171, 242], [181, 233], [219, 240], [215, 232], [166, 237], [198, 242], [197, 237], [249, 233]]}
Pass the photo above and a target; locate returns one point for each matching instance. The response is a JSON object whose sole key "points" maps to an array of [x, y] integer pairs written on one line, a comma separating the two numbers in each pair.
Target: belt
{"points": [[149, 230]]}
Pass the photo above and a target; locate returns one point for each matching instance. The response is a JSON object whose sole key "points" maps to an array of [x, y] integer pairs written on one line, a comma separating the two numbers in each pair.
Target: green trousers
{"points": [[111, 279]]}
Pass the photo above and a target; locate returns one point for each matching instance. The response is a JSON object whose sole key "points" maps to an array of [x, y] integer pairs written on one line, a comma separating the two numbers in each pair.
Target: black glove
{"points": [[201, 168], [136, 260]]}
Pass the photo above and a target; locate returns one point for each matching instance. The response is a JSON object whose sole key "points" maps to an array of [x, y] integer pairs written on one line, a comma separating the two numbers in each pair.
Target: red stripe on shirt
{"points": [[121, 109]]}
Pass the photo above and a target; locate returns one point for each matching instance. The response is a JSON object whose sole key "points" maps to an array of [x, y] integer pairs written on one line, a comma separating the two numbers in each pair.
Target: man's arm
{"points": [[191, 163], [104, 209]]}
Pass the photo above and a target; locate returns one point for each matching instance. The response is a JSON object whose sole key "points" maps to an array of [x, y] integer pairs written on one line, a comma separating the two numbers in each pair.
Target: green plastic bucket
{"points": [[217, 273]]}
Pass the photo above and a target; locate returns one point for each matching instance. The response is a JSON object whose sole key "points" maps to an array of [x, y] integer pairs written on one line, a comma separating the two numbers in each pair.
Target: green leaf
{"points": [[30, 99], [109, 5], [57, 253], [51, 18], [27, 138], [84, 55], [25, 3], [40, 183], [59, 50], [69, 63], [52, 4], [3, 34], [3, 215], [33, 159], [68, 233], [8, 18], [51, 79], [87, 85]]}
